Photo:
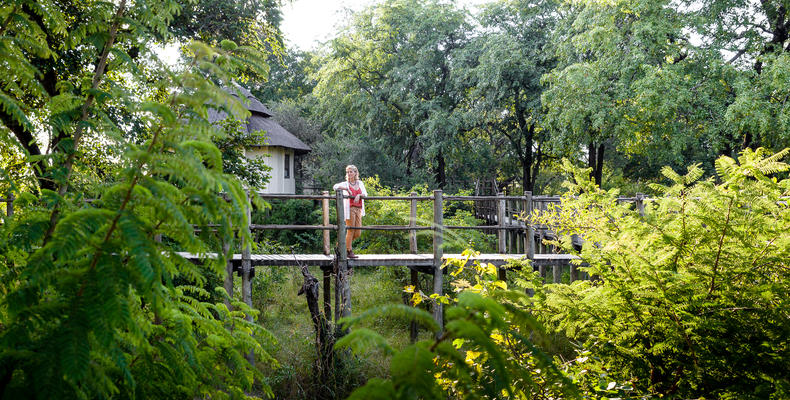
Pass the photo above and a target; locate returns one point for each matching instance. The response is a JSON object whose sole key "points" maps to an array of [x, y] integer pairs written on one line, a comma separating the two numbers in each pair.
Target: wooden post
{"points": [[438, 236], [325, 210], [501, 235], [529, 243], [518, 248], [342, 286], [327, 250], [541, 250], [640, 203], [9, 206], [574, 273], [556, 268], [246, 263], [246, 269], [415, 280], [228, 284], [413, 222]]}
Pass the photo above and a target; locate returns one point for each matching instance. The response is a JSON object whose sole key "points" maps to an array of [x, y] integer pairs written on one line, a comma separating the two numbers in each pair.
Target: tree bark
{"points": [[595, 161], [324, 339], [526, 165], [536, 169], [599, 165], [441, 176], [591, 155], [777, 19], [28, 142]]}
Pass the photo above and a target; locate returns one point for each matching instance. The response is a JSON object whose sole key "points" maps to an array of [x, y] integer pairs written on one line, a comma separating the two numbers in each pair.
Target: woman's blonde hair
{"points": [[352, 167]]}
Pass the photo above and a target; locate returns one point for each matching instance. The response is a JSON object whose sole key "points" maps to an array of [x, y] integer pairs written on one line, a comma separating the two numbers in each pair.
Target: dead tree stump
{"points": [[324, 338]]}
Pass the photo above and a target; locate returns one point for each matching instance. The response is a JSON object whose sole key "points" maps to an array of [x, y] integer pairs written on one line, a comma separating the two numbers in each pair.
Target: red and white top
{"points": [[353, 194], [350, 191]]}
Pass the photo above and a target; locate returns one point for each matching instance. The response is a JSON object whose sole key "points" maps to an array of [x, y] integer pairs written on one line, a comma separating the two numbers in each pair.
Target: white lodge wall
{"points": [[274, 157]]}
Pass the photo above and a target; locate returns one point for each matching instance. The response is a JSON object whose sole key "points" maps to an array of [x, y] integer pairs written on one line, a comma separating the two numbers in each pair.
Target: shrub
{"points": [[692, 298]]}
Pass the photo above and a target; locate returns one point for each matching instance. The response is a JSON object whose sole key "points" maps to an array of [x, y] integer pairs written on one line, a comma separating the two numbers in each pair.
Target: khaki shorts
{"points": [[354, 219]]}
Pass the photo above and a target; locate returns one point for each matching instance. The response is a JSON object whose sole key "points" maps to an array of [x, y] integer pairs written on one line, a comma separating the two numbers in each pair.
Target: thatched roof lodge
{"points": [[279, 147]]}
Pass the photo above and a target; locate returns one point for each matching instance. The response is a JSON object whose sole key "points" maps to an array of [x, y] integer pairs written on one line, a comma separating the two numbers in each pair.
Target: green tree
{"points": [[691, 299], [505, 82], [605, 50], [251, 22], [91, 304], [390, 79]]}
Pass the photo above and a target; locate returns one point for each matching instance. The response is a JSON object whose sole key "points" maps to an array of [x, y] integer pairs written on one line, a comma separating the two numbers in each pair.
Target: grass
{"points": [[286, 316]]}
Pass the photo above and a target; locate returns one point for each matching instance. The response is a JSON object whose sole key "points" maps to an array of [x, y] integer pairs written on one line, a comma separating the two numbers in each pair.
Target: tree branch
{"points": [[98, 74]]}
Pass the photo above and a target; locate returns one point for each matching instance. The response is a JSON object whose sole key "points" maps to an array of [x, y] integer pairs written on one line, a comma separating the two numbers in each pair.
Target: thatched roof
{"points": [[261, 120]]}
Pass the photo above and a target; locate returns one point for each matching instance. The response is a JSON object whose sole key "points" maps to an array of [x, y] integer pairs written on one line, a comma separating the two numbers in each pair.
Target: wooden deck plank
{"points": [[384, 260]]}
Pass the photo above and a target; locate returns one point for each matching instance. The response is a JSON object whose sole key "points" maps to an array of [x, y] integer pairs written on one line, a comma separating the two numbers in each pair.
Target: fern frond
{"points": [[397, 310], [361, 340]]}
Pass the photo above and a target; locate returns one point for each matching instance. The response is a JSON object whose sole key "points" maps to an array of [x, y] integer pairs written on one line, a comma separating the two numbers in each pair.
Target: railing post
{"points": [[246, 262], [574, 273], [327, 250], [501, 232], [438, 277], [640, 203], [413, 223], [325, 211], [9, 205], [342, 287], [500, 216], [529, 244], [227, 245], [228, 284], [415, 281], [542, 250], [246, 267]]}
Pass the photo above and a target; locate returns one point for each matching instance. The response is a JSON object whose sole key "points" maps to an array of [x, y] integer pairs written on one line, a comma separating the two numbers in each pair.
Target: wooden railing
{"points": [[514, 234]]}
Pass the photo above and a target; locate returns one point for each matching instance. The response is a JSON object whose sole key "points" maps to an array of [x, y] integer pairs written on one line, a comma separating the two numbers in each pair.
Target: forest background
{"points": [[418, 94]]}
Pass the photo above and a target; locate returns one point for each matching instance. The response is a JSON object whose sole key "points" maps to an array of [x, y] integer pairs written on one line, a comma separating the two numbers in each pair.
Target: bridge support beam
{"points": [[438, 276], [228, 284], [501, 207], [327, 272], [415, 279], [246, 269], [342, 284]]}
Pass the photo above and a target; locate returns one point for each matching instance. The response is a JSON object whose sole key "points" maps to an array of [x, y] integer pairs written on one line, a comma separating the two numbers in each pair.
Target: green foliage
{"points": [[691, 299], [390, 80], [221, 22], [253, 172], [488, 348], [91, 304], [292, 212], [397, 213]]}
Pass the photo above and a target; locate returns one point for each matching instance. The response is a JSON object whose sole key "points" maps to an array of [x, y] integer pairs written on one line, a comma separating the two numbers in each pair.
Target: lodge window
{"points": [[287, 166]]}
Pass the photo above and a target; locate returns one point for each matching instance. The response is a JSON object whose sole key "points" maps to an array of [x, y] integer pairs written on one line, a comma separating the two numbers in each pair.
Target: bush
{"points": [[692, 299]]}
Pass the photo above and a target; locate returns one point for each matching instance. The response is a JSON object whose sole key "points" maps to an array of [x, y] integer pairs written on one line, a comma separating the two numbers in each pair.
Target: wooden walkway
{"points": [[505, 214], [419, 262]]}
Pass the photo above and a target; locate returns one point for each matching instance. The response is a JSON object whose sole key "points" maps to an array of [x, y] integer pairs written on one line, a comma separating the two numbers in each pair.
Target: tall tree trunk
{"points": [[599, 165], [536, 169], [776, 14], [441, 177], [29, 143], [595, 161], [526, 163], [408, 159]]}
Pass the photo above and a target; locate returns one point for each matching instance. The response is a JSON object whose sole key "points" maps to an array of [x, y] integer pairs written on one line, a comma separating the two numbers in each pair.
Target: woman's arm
{"points": [[341, 185]]}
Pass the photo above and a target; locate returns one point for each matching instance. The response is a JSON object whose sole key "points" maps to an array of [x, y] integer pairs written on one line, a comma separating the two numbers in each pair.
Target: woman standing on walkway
{"points": [[354, 207]]}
